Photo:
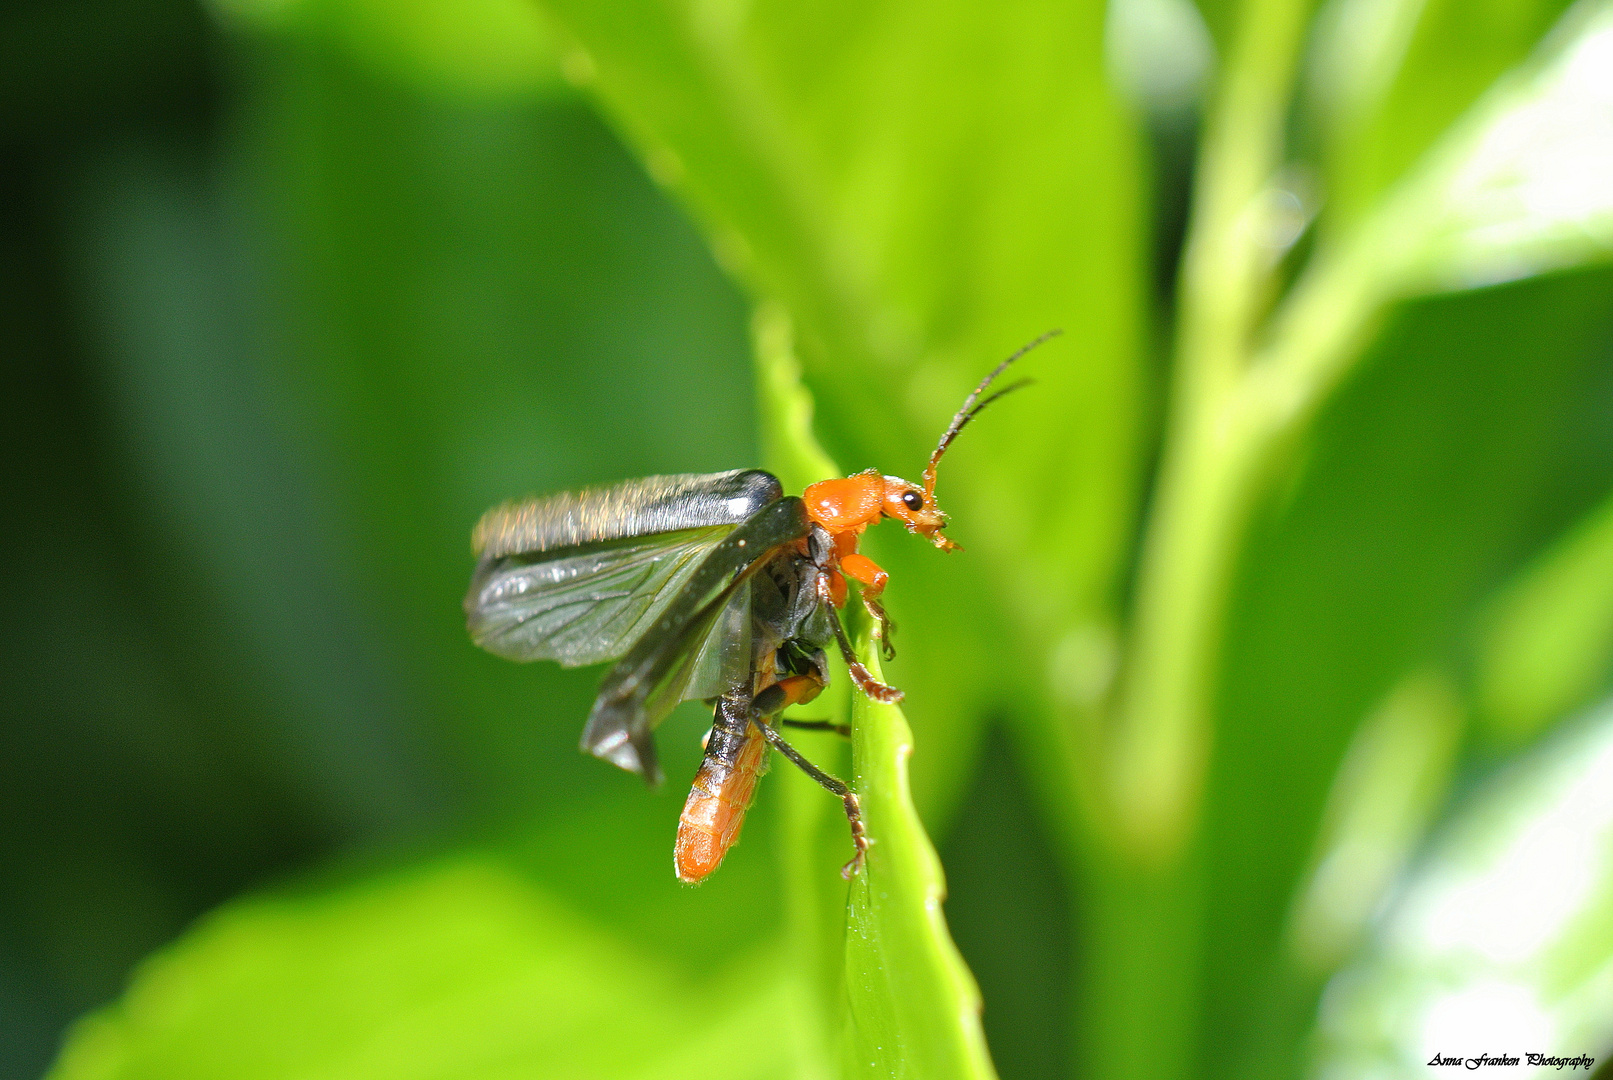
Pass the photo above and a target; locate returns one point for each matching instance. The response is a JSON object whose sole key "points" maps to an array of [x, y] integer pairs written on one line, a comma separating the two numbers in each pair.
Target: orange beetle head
{"points": [[915, 507]]}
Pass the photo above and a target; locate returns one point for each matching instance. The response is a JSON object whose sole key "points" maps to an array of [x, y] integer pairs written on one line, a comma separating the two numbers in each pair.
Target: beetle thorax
{"points": [[852, 504], [848, 504]]}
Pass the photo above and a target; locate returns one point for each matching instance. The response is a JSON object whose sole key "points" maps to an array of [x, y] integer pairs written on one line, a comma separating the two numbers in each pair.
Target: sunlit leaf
{"points": [[1548, 643], [457, 969], [1159, 52], [1388, 77], [1503, 939], [1393, 777], [1515, 188], [1467, 439], [1512, 191], [1521, 185]]}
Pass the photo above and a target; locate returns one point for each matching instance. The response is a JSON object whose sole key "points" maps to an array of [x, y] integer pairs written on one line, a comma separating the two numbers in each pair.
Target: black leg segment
{"points": [[864, 679], [854, 813]]}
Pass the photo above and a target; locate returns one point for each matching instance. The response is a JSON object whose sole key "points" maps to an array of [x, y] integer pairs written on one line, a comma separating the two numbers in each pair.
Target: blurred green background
{"points": [[275, 318], [295, 289]]}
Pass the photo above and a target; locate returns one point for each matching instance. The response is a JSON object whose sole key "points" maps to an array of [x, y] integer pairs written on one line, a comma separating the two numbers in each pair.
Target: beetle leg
{"points": [[848, 798], [887, 628], [873, 579], [790, 690], [865, 570], [794, 690], [860, 675], [837, 588]]}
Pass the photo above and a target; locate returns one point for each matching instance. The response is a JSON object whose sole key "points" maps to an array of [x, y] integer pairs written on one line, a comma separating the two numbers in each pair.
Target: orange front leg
{"points": [[873, 580], [867, 572]]}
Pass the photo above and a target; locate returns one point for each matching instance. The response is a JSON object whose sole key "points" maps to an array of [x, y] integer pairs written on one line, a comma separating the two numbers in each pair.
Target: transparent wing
{"points": [[719, 658], [719, 661], [582, 605], [700, 645]]}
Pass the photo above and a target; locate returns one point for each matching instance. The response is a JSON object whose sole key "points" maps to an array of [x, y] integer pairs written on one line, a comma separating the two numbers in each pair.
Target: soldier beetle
{"points": [[717, 587]]}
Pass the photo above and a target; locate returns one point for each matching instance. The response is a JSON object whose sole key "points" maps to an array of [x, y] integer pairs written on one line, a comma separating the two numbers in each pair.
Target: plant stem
{"points": [[1213, 448], [1223, 443], [1163, 739], [1143, 946], [1226, 263]]}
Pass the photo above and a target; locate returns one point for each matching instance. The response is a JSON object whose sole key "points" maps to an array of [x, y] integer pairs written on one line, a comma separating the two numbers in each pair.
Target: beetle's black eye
{"points": [[913, 500]]}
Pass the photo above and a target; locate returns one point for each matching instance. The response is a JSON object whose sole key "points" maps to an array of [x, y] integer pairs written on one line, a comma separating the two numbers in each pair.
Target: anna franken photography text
{"points": [[1548, 1061]]}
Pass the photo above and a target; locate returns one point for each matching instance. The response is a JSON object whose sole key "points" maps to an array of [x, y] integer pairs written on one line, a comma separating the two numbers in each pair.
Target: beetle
{"points": [[717, 587]]}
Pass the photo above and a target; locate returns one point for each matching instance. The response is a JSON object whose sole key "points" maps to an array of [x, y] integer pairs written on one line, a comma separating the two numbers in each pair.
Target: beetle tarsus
{"points": [[876, 690], [887, 627], [862, 840]]}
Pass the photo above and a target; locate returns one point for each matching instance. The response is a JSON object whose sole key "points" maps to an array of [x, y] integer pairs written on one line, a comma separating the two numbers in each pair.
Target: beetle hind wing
{"points": [[613, 738], [711, 657], [699, 647], [581, 605]]}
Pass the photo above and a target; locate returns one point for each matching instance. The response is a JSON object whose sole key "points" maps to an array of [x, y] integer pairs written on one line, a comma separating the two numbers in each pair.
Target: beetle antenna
{"points": [[972, 405]]}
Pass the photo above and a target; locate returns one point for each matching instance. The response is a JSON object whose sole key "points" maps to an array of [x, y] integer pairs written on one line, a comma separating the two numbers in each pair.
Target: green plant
{"points": [[1234, 625]]}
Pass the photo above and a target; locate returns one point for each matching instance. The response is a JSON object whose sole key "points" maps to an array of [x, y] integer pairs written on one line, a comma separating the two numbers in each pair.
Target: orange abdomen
{"points": [[716, 808]]}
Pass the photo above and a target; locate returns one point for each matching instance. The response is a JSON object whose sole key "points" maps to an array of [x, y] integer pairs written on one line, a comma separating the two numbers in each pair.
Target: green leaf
{"points": [[911, 1008], [924, 187], [1547, 646], [914, 1007], [466, 50], [1388, 77], [1502, 940], [457, 968]]}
